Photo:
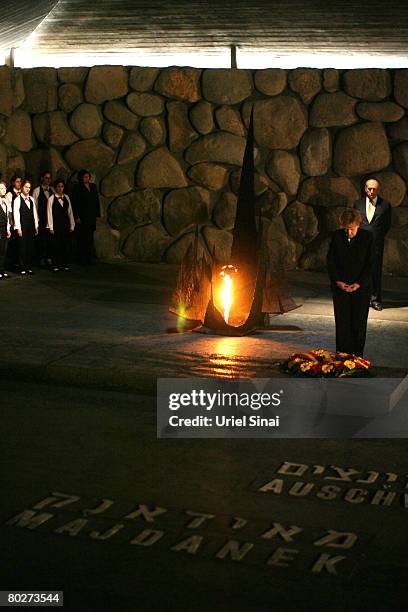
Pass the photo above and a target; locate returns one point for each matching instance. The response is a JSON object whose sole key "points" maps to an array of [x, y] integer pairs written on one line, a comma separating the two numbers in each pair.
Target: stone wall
{"points": [[165, 147]]}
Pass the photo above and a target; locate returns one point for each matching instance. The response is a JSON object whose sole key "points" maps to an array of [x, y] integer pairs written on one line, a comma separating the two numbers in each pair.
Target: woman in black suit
{"points": [[349, 262], [85, 203]]}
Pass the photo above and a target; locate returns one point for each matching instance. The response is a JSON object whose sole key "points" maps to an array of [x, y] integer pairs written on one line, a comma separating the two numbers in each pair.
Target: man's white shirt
{"points": [[370, 208]]}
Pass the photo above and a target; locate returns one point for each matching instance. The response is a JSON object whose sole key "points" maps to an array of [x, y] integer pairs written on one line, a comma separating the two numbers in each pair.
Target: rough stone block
{"points": [[218, 241], [401, 87], [301, 222], [106, 83], [135, 208], [306, 82], [219, 147], [147, 243], [160, 169], [145, 104], [119, 114], [181, 132], [142, 79], [229, 120], [73, 75], [6, 91], [380, 111], [331, 80], [279, 123], [179, 83], [371, 84], [333, 109], [360, 149], [112, 135], [271, 81], [18, 131], [40, 85], [225, 211], [69, 96], [226, 86], [52, 128], [185, 207], [328, 191], [90, 154], [154, 130], [132, 148], [284, 168], [86, 120], [211, 176], [201, 116], [119, 181], [315, 151]]}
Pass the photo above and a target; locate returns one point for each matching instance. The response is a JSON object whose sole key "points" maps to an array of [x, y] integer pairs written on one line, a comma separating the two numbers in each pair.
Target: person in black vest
{"points": [[349, 262], [15, 187], [12, 255], [26, 225], [5, 217], [86, 207], [376, 213], [60, 224], [41, 195]]}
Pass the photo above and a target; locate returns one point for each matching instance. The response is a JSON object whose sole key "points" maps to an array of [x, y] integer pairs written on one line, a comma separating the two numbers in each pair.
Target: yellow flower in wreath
{"points": [[327, 368], [306, 365], [349, 364]]}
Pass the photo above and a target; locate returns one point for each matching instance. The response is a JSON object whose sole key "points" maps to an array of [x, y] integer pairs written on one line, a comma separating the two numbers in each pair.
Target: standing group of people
{"points": [[355, 260], [37, 226]]}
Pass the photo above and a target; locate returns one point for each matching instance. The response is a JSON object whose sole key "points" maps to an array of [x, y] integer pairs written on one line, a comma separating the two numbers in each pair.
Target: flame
{"points": [[226, 293]]}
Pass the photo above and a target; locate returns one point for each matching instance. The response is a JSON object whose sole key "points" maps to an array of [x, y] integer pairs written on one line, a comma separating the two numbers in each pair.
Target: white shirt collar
{"points": [[374, 200]]}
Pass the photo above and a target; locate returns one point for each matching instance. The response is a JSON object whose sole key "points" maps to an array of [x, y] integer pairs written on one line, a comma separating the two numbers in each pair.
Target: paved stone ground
{"points": [[289, 524], [108, 325]]}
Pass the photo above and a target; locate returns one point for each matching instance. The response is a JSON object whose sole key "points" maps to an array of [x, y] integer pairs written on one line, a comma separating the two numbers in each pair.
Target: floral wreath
{"points": [[320, 362]]}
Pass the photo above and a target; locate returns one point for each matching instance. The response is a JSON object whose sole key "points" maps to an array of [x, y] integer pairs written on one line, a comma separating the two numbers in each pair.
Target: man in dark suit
{"points": [[377, 220], [349, 262]]}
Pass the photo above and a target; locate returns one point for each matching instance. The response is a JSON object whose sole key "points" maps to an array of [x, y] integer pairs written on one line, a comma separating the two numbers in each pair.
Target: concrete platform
{"points": [[107, 325]]}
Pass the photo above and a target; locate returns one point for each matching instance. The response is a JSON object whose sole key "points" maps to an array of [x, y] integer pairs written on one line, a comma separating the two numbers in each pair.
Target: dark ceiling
{"points": [[280, 26]]}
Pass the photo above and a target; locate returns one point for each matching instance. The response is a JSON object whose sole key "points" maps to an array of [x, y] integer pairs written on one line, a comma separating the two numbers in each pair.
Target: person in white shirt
{"points": [[61, 223], [15, 187], [12, 255], [40, 195], [5, 228], [26, 225]]}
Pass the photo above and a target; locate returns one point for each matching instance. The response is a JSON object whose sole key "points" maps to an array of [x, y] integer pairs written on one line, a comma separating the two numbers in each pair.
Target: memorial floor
{"points": [[94, 505]]}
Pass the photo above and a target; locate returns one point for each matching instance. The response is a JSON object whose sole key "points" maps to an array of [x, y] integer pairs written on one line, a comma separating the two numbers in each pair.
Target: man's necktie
{"points": [[370, 211]]}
